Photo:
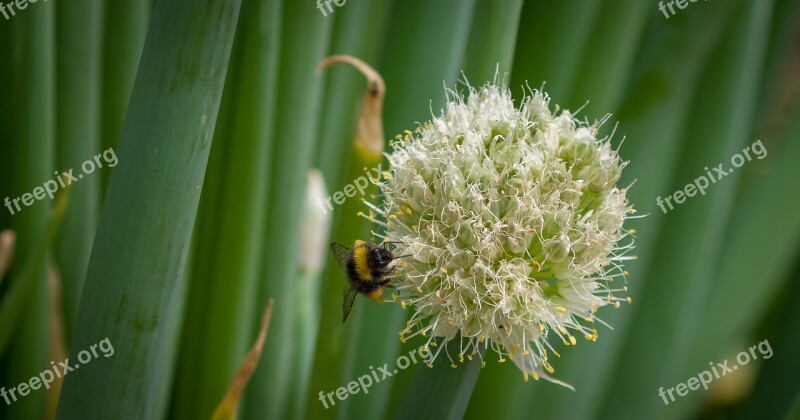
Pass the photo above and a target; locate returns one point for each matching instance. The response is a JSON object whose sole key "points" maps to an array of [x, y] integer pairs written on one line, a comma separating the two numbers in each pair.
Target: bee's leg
{"points": [[386, 283], [390, 242]]}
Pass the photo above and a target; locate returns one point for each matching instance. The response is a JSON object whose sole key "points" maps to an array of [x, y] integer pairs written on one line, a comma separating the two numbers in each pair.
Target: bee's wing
{"points": [[342, 254], [347, 304]]}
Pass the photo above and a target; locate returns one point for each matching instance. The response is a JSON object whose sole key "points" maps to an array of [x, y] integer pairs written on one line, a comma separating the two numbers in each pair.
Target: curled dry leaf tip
{"points": [[369, 135]]}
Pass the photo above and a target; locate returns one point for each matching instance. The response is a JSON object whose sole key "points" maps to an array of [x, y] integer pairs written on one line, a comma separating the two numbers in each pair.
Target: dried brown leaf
{"points": [[227, 408]]}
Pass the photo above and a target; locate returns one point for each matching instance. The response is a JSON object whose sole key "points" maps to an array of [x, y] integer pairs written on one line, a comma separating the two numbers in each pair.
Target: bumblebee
{"points": [[368, 267]]}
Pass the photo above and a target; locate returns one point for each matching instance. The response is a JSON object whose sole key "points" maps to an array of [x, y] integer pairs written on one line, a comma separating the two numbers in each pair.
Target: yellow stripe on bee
{"points": [[362, 267]]}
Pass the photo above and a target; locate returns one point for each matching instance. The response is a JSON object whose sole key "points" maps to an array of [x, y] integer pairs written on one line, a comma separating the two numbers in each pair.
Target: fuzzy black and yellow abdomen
{"points": [[368, 285], [361, 268]]}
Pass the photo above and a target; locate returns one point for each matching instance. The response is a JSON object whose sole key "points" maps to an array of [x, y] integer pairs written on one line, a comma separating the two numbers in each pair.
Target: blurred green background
{"points": [[217, 116]]}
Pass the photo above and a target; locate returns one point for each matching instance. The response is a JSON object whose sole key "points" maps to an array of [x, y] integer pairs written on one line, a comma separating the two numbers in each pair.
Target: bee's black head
{"points": [[381, 256]]}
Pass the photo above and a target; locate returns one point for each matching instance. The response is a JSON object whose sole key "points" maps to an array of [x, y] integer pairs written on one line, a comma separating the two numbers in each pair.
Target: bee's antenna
{"points": [[390, 242]]}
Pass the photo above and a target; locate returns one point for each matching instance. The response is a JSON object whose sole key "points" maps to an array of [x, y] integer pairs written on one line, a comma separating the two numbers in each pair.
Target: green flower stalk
{"points": [[513, 224]]}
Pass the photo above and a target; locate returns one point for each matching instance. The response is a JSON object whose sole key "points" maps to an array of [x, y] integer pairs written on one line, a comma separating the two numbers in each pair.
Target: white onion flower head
{"points": [[512, 222]]}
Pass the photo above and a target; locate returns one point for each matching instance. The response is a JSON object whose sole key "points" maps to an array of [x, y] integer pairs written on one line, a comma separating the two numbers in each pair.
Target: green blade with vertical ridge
{"points": [[305, 34], [78, 103], [719, 127], [538, 57], [142, 241], [33, 100], [219, 325], [124, 31], [492, 40]]}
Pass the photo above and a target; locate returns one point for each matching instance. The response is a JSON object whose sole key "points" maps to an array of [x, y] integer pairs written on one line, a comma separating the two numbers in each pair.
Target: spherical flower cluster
{"points": [[512, 222]]}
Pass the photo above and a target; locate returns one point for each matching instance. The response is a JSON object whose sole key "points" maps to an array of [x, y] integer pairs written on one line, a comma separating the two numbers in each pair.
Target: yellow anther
{"points": [[630, 300], [501, 360], [560, 309], [572, 340], [525, 376], [483, 364], [549, 368]]}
